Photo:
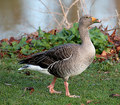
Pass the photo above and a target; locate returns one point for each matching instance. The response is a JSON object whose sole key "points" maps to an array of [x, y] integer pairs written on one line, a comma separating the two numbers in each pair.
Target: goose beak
{"points": [[94, 20]]}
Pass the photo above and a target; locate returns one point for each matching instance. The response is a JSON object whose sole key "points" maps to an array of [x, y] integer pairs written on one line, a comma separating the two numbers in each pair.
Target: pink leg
{"points": [[51, 86], [67, 91]]}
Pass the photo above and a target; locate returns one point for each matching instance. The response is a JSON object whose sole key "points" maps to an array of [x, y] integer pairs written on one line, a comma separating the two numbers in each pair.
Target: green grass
{"points": [[93, 84]]}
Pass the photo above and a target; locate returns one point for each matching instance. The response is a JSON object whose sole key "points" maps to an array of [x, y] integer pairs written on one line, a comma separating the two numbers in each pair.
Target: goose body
{"points": [[62, 61], [65, 60]]}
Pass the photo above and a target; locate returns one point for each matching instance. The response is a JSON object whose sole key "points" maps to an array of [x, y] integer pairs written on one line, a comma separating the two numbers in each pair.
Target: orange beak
{"points": [[94, 20]]}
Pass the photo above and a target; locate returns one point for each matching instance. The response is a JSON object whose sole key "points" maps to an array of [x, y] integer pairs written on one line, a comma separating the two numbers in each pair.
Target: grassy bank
{"points": [[97, 83]]}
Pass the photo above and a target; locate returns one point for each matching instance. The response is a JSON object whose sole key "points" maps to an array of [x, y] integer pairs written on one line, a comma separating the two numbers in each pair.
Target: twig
{"points": [[62, 7], [56, 13], [51, 13], [63, 11], [82, 6], [66, 14], [117, 17]]}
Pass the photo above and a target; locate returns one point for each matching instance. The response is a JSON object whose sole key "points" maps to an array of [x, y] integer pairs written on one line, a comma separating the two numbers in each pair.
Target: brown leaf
{"points": [[1, 55], [104, 53], [107, 72], [98, 55], [113, 34], [118, 48], [53, 31], [111, 89], [117, 38], [96, 102], [5, 40], [100, 27], [89, 101], [29, 40], [35, 34], [106, 28], [32, 90], [12, 39], [112, 51], [109, 39], [28, 88], [90, 28], [115, 95]]}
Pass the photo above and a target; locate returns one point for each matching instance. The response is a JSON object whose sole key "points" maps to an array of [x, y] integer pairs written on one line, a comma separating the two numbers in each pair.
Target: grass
{"points": [[97, 83]]}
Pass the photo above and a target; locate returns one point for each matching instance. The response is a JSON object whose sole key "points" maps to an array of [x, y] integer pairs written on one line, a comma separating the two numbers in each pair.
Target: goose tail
{"points": [[35, 68]]}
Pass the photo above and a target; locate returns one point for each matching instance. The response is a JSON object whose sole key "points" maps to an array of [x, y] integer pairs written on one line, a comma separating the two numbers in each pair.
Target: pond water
{"points": [[25, 16]]}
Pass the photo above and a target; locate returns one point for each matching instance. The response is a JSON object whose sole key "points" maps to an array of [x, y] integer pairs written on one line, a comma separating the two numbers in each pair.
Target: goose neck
{"points": [[84, 35]]}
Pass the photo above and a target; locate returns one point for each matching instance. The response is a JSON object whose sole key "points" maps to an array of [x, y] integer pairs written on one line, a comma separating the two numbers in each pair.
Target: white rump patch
{"points": [[35, 68]]}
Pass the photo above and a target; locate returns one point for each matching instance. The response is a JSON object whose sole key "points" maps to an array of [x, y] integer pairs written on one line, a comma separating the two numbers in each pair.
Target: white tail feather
{"points": [[21, 68], [35, 68]]}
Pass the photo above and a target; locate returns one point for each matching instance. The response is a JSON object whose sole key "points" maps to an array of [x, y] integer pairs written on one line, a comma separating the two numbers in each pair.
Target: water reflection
{"points": [[25, 16], [20, 16]]}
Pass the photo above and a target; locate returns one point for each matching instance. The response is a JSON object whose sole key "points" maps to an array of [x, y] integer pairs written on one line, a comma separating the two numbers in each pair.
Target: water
{"points": [[25, 16], [22, 16]]}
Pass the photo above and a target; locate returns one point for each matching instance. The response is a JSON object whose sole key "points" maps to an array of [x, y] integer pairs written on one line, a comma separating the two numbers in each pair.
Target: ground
{"points": [[95, 85]]}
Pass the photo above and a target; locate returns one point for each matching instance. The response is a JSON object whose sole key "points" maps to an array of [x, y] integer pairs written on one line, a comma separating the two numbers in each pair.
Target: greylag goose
{"points": [[65, 60]]}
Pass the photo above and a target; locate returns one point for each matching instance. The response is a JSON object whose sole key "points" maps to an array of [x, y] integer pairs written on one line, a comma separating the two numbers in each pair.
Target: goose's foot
{"points": [[51, 87], [67, 91], [51, 90], [73, 96]]}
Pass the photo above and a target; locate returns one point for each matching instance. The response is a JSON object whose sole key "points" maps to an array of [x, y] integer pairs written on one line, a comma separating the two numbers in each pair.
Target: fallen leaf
{"points": [[107, 72], [104, 53], [1, 55], [5, 40], [118, 48], [28, 88], [112, 51], [114, 95], [53, 31], [98, 55], [68, 104], [96, 102], [89, 28], [109, 39], [111, 89], [29, 40], [117, 38], [89, 101], [35, 34]]}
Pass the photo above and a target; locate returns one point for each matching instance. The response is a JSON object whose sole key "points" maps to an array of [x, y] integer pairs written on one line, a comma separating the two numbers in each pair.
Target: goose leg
{"points": [[51, 87], [67, 91]]}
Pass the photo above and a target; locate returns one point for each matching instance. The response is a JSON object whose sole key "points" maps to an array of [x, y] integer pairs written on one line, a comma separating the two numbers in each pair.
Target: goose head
{"points": [[88, 20]]}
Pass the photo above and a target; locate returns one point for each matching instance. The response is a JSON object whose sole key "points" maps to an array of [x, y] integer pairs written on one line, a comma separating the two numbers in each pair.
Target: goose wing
{"points": [[47, 58]]}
